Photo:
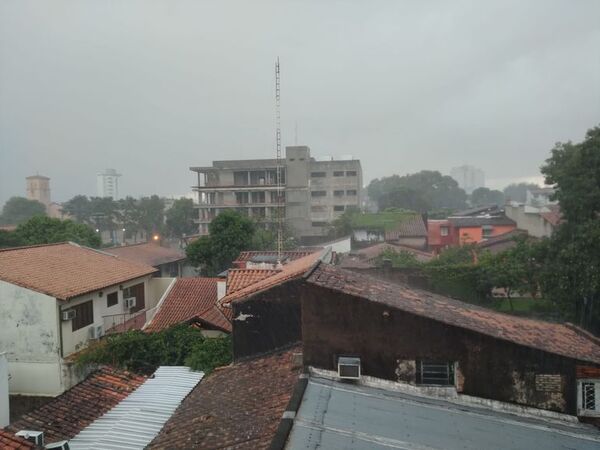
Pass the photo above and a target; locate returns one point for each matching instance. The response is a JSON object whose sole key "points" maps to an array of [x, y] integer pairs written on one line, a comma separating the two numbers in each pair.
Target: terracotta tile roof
{"points": [[501, 242], [189, 299], [554, 216], [294, 269], [240, 278], [235, 407], [411, 226], [372, 252], [564, 340], [8, 441], [72, 411], [290, 254], [66, 270], [148, 253]]}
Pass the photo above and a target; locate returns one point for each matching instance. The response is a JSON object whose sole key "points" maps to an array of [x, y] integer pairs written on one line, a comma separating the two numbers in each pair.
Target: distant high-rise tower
{"points": [[468, 177], [38, 188], [108, 184]]}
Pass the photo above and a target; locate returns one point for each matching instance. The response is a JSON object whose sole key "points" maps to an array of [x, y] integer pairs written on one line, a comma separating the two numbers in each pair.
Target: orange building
{"points": [[472, 230]]}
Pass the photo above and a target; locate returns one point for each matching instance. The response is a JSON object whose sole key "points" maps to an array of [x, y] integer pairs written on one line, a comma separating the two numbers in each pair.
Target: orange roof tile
{"points": [[293, 269], [69, 413], [235, 407], [564, 340], [290, 254], [66, 270], [240, 278], [147, 253], [189, 299], [8, 441]]}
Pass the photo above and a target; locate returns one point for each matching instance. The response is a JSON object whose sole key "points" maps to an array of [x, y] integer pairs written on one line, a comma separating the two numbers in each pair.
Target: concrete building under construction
{"points": [[315, 192]]}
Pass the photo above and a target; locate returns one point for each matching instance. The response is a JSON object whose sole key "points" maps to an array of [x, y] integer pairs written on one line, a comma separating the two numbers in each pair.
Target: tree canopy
{"points": [[484, 196], [229, 234], [180, 218], [46, 230], [422, 191], [20, 209]]}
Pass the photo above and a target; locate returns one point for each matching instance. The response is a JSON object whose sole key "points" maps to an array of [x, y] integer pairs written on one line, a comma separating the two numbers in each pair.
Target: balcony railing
{"points": [[119, 323]]}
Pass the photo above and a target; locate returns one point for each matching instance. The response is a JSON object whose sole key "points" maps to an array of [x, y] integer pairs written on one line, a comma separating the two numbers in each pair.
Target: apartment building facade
{"points": [[314, 192]]}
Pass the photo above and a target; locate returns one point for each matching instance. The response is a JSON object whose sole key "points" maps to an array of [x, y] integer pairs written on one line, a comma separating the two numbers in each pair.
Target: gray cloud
{"points": [[152, 87]]}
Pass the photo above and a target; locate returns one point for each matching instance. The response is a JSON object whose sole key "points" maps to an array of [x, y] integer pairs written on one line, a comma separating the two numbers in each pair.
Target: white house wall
{"points": [[74, 341], [29, 336]]}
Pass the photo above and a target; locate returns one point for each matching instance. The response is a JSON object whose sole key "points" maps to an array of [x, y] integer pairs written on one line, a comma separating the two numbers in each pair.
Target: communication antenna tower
{"points": [[279, 168]]}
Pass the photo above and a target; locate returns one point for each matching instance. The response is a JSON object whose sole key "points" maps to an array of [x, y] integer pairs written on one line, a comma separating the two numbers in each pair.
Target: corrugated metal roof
{"points": [[134, 422], [335, 415]]}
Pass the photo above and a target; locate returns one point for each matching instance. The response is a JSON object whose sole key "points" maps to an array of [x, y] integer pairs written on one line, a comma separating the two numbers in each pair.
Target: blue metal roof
{"points": [[335, 415]]}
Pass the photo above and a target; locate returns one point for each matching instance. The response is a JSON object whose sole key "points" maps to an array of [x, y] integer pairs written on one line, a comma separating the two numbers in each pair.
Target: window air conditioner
{"points": [[68, 314], [129, 302], [60, 445], [96, 331], [37, 437], [349, 368]]}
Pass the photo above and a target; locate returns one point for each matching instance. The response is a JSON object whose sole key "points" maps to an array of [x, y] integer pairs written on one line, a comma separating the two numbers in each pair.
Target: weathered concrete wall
{"points": [[389, 341], [29, 336], [267, 321]]}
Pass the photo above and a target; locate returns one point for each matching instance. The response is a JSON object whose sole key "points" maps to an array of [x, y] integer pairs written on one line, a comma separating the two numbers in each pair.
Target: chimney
{"points": [[4, 405], [221, 289]]}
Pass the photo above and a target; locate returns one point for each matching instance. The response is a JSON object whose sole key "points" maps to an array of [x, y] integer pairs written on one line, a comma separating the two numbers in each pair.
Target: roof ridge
{"points": [[581, 332]]}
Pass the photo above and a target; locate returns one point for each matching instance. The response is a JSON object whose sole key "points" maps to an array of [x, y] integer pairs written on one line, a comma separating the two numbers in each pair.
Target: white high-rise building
{"points": [[108, 184], [468, 178]]}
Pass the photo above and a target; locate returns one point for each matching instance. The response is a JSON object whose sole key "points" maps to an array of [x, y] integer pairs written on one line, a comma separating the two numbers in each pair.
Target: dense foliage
{"points": [[229, 234], [19, 209], [423, 191], [180, 218], [144, 352], [45, 230], [484, 196]]}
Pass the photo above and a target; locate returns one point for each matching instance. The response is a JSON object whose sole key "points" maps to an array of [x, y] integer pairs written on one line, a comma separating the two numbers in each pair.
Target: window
{"points": [[589, 396], [84, 315], [112, 299], [318, 193], [292, 159], [351, 173], [436, 373], [319, 224], [318, 174], [444, 231], [338, 208], [338, 193], [486, 231], [351, 192], [138, 292], [338, 173]]}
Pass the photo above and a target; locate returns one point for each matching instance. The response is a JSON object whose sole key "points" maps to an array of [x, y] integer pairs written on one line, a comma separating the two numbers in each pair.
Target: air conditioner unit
{"points": [[349, 368], [37, 437], [129, 302], [68, 314], [96, 332], [60, 445]]}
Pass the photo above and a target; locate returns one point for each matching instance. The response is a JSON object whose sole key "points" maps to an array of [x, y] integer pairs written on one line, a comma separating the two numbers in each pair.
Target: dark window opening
{"points": [[138, 292], [318, 174], [435, 373], [338, 173], [318, 193], [338, 193], [351, 192], [351, 173], [112, 299], [338, 208], [588, 392], [84, 315]]}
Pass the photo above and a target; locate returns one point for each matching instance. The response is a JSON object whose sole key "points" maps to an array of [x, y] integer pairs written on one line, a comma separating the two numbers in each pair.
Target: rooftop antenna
{"points": [[278, 144]]}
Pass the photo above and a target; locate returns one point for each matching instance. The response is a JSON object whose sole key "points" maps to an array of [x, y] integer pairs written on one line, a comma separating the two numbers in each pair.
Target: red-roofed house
{"points": [[191, 300], [55, 299], [167, 261]]}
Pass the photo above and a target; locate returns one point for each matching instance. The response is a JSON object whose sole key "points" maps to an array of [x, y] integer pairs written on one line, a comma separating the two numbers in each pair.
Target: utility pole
{"points": [[280, 203]]}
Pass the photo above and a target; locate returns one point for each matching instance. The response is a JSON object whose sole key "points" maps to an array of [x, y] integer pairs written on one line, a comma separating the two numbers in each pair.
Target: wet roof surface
{"points": [[335, 415]]}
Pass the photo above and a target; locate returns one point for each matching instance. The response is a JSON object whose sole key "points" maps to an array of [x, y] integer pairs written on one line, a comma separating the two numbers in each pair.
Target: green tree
{"points": [[79, 208], [483, 196], [9, 239], [130, 217], [342, 225], [570, 259], [517, 192], [151, 214], [45, 230], [19, 209], [229, 234], [180, 218], [421, 191]]}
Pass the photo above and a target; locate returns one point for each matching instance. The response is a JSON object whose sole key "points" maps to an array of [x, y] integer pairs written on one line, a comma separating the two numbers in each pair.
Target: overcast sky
{"points": [[152, 87]]}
